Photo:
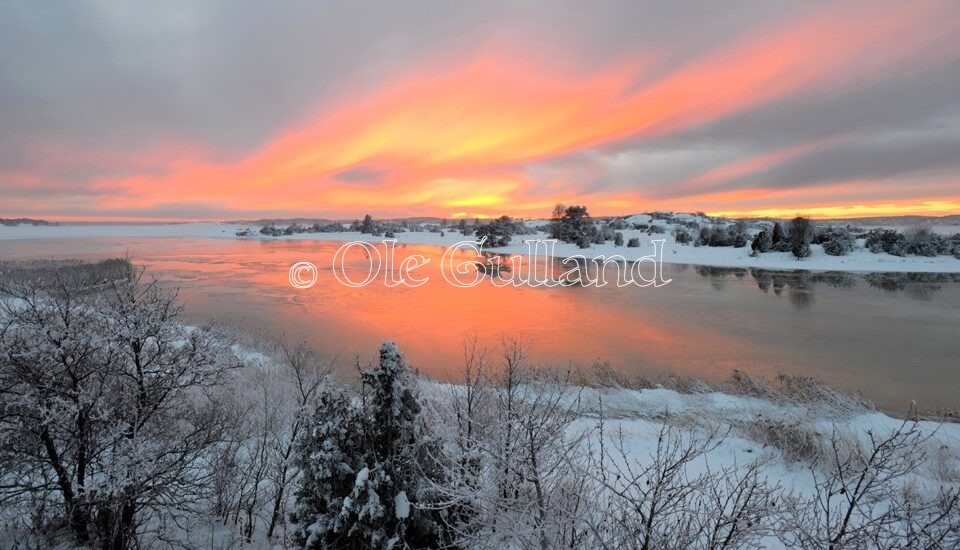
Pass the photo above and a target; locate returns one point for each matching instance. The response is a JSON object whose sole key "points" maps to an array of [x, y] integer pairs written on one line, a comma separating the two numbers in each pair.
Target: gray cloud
{"points": [[360, 174], [229, 76]]}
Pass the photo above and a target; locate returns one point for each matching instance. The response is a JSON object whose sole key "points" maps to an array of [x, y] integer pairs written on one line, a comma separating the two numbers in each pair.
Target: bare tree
{"points": [[514, 482], [862, 497], [660, 501]]}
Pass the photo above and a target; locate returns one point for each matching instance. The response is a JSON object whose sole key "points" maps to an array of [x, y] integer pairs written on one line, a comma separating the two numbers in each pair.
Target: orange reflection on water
{"points": [[705, 323]]}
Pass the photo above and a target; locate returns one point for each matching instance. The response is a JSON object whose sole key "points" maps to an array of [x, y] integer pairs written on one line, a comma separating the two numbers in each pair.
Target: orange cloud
{"points": [[458, 139]]}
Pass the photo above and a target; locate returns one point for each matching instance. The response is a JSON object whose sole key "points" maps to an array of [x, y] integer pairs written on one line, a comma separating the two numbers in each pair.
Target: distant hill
{"points": [[953, 219], [10, 222], [311, 221]]}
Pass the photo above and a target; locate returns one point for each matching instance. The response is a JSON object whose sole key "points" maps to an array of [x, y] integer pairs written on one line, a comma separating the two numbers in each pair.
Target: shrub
{"points": [[801, 233], [837, 242], [618, 239], [886, 240], [681, 236], [794, 440], [838, 247], [618, 224], [762, 242], [738, 234], [583, 241], [634, 242], [715, 236], [801, 250], [924, 242]]}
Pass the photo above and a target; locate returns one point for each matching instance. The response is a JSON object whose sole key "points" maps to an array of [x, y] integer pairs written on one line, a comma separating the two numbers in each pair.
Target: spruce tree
{"points": [[369, 468]]}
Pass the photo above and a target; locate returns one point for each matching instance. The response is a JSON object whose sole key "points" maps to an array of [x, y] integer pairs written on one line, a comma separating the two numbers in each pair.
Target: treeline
{"points": [[497, 232], [11, 222], [798, 234]]}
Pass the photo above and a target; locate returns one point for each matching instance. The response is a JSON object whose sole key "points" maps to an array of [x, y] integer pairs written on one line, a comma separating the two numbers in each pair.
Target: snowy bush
{"points": [[618, 239], [634, 242], [836, 242], [681, 236], [922, 241], [762, 242], [777, 236], [886, 240], [801, 233]]}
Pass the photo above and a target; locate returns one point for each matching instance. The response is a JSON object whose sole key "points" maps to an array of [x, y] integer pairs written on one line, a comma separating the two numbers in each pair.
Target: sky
{"points": [[216, 110]]}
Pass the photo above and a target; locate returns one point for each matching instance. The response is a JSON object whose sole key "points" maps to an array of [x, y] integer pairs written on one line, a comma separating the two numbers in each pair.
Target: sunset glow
{"points": [[501, 127]]}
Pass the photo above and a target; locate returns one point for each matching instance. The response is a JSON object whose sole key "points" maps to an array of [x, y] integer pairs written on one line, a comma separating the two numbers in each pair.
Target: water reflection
{"points": [[800, 285], [877, 333]]}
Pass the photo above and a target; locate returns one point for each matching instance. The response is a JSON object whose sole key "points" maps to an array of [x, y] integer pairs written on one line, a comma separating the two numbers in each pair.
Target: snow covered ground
{"points": [[792, 440], [859, 260]]}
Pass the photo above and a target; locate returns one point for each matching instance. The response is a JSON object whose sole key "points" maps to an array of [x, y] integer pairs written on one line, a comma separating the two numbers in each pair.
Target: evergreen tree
{"points": [[762, 242], [572, 226], [801, 233], [367, 226], [778, 235], [498, 232], [368, 468]]}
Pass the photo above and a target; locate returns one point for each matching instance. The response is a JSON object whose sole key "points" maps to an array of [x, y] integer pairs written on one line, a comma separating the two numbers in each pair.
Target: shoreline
{"points": [[860, 261]]}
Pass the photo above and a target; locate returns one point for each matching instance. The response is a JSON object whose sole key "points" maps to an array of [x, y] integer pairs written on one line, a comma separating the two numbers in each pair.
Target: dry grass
{"points": [[797, 389], [92, 276], [797, 442]]}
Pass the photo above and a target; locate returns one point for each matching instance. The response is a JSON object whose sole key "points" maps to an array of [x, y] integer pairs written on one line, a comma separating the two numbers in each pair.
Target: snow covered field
{"points": [[860, 260]]}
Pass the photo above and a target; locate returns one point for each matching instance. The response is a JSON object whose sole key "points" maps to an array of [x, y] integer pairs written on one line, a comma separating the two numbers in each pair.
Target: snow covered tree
{"points": [[510, 482], [498, 232], [367, 226], [103, 394], [778, 235], [369, 466], [762, 242], [572, 225], [329, 455], [801, 233]]}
